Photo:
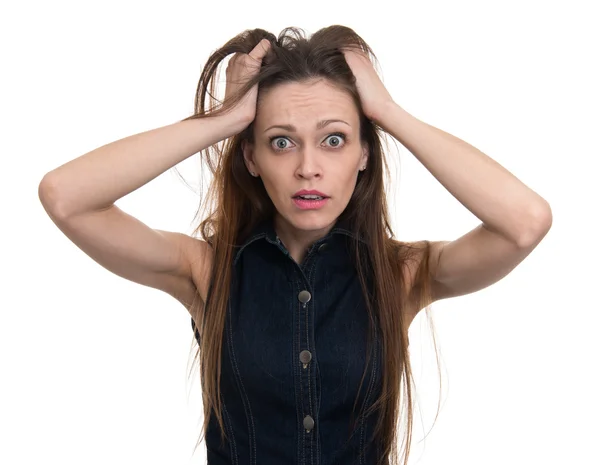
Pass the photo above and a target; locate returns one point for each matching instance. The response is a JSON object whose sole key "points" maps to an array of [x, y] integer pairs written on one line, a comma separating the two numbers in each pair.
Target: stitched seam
{"points": [[301, 454], [326, 288], [311, 273], [246, 244], [309, 390], [232, 445], [297, 373], [349, 234], [369, 391], [318, 410], [376, 370], [246, 402]]}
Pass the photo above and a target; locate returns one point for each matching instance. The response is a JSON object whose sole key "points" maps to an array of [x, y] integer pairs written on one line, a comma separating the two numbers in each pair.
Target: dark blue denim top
{"points": [[294, 351]]}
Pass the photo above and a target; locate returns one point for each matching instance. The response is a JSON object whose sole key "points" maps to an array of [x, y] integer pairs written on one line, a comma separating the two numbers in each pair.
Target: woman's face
{"points": [[308, 154]]}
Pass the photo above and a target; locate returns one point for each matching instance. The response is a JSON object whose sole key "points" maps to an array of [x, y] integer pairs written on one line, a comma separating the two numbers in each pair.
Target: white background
{"points": [[94, 368]]}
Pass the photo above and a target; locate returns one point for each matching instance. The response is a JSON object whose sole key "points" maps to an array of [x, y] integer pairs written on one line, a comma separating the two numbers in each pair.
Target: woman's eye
{"points": [[336, 138], [281, 141]]}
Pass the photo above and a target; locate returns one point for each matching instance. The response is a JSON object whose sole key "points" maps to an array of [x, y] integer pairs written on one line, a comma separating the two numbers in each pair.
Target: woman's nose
{"points": [[308, 164]]}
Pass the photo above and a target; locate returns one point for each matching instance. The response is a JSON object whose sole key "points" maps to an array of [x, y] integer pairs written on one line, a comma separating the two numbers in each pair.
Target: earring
{"points": [[253, 173]]}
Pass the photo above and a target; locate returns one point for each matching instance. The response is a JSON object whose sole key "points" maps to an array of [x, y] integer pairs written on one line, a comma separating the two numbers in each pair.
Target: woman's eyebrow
{"points": [[320, 125]]}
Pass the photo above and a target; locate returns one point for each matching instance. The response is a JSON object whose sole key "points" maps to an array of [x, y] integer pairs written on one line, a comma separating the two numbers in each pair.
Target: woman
{"points": [[300, 304]]}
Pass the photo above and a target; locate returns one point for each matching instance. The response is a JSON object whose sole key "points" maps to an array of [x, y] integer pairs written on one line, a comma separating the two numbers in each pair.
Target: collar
{"points": [[265, 229]]}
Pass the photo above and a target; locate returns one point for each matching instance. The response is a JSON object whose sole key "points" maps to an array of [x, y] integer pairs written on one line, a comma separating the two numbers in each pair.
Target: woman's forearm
{"points": [[94, 181], [492, 193]]}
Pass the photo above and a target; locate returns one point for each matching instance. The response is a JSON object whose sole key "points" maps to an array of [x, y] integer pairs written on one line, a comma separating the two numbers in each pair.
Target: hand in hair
{"points": [[241, 68], [374, 97]]}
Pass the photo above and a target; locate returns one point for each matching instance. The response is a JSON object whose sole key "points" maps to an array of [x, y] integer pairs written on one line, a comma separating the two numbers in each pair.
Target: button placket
{"points": [[304, 297]]}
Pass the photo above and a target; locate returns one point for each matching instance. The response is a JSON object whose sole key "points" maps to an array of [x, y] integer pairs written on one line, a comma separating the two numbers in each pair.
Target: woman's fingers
{"points": [[261, 49], [257, 54], [241, 68]]}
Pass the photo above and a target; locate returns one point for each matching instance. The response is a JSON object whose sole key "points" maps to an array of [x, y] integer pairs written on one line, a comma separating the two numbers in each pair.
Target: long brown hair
{"points": [[239, 201]]}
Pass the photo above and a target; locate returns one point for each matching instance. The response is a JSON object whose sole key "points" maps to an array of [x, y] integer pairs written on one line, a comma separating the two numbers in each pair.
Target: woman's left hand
{"points": [[374, 97]]}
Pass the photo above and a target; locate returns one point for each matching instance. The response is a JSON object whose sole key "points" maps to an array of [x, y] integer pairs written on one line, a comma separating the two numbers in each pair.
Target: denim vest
{"points": [[294, 351]]}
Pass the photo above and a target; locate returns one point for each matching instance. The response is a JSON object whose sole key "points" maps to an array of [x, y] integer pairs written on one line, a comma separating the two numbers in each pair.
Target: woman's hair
{"points": [[239, 201]]}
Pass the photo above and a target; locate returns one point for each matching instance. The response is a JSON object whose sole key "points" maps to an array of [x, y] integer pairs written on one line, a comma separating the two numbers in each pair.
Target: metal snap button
{"points": [[304, 296], [309, 423], [305, 357]]}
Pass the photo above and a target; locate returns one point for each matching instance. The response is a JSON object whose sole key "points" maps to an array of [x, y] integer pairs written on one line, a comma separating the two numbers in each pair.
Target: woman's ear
{"points": [[365, 154], [248, 152]]}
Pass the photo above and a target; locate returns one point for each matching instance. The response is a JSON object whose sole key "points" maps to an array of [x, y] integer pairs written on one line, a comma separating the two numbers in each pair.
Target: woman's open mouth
{"points": [[310, 202]]}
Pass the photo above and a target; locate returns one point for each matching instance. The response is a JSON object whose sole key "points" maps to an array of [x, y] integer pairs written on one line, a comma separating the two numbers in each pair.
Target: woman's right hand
{"points": [[240, 69]]}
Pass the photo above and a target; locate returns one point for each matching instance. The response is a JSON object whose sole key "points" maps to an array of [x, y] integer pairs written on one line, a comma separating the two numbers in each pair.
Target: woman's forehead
{"points": [[310, 107]]}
